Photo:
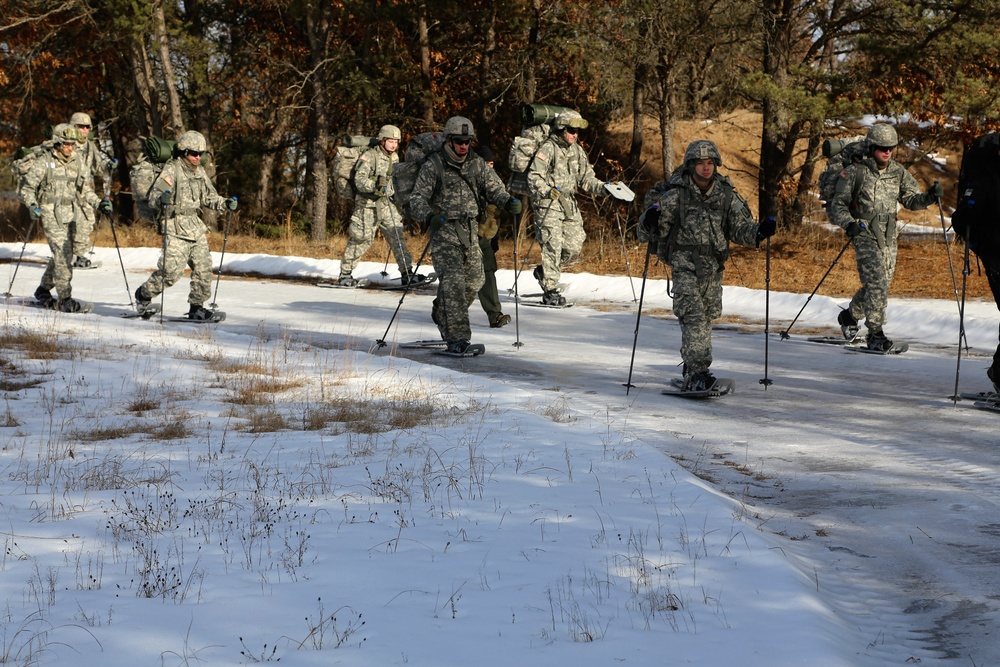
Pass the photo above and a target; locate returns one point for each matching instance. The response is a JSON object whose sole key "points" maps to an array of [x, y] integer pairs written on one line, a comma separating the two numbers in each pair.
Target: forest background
{"points": [[275, 84]]}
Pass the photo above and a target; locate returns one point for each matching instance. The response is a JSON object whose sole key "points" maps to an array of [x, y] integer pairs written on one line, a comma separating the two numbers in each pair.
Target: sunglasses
{"points": [[83, 127], [572, 130], [462, 142], [886, 149], [192, 153]]}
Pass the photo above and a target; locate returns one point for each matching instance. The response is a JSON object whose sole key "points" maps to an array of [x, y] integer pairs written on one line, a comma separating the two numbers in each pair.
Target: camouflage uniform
{"points": [[94, 164], [374, 209], [875, 248], [185, 243], [561, 166], [55, 183], [454, 190], [695, 229]]}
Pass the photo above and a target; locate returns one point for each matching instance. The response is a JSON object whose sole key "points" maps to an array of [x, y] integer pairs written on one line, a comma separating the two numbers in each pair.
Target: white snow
{"points": [[541, 516]]}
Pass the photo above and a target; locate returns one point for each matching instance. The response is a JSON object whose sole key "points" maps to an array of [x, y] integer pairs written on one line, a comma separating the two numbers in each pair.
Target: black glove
{"points": [[105, 207], [513, 206], [34, 212], [651, 220], [232, 204], [936, 190], [766, 228], [166, 198], [435, 220], [855, 228]]}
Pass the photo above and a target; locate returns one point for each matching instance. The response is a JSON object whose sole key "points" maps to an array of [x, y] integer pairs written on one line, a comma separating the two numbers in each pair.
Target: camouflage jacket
{"points": [[457, 190], [55, 183], [190, 190], [373, 181], [560, 165], [877, 194], [692, 221]]}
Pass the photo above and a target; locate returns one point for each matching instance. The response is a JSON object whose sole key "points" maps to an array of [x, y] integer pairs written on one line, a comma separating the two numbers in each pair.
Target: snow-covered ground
{"points": [[275, 487]]}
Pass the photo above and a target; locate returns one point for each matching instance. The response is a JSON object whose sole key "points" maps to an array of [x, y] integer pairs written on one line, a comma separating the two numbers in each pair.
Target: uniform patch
{"points": [[169, 181], [843, 174]]}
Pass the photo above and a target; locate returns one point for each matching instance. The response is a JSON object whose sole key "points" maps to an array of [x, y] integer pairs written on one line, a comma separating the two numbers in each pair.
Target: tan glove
{"points": [[554, 193], [490, 224]]}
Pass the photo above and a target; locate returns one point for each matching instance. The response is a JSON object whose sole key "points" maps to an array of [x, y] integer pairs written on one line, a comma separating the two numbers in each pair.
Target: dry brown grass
{"points": [[34, 344]]}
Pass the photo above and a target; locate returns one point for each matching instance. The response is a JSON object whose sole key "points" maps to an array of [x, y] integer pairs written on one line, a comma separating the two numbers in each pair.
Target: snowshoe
{"points": [[463, 348], [553, 298], [700, 385]]}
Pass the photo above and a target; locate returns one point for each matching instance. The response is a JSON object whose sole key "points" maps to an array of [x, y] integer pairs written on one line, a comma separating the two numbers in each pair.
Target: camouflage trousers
{"points": [[876, 267], [85, 222], [697, 301], [489, 296], [560, 237], [59, 271], [179, 254], [460, 275], [364, 223]]}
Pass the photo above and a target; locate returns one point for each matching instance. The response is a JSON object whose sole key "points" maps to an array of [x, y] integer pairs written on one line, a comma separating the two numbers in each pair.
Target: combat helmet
{"points": [[389, 132], [882, 135], [192, 141], [569, 118], [458, 127], [64, 133], [80, 118], [699, 150]]}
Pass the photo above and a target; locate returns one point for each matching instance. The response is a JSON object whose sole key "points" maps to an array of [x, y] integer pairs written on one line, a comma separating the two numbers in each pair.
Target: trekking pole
{"points": [[766, 381], [27, 237], [222, 256], [628, 267], [951, 266], [784, 334], [961, 322], [385, 269], [517, 241], [114, 235], [380, 343], [642, 293]]}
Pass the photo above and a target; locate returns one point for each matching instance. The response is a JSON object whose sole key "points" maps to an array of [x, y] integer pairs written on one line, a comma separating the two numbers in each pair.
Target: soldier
{"points": [[558, 169], [865, 205], [451, 189], [51, 190], [375, 210], [94, 163], [977, 217], [489, 297], [695, 219], [179, 192]]}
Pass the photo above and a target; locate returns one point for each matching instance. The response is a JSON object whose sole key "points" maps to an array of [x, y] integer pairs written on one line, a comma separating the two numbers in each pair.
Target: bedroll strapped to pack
{"points": [[839, 154], [404, 174], [148, 164], [346, 160], [536, 120], [977, 218]]}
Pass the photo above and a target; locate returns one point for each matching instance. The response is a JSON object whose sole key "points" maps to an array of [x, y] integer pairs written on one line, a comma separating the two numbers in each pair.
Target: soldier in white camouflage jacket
{"points": [[51, 190], [180, 192]]}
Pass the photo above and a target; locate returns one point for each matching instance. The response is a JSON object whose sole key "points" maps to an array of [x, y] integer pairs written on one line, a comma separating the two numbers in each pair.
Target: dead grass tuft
{"points": [[35, 344]]}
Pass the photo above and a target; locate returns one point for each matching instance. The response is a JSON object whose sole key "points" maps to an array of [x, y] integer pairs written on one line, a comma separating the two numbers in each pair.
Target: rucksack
{"points": [[345, 162], [977, 218], [536, 119], [839, 154], [404, 174], [24, 159], [155, 153]]}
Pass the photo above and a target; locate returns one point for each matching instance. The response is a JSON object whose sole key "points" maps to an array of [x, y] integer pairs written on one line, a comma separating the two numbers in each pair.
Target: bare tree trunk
{"points": [[639, 76], [169, 80], [485, 124], [423, 36], [317, 180], [147, 98], [530, 85], [270, 158], [773, 161]]}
